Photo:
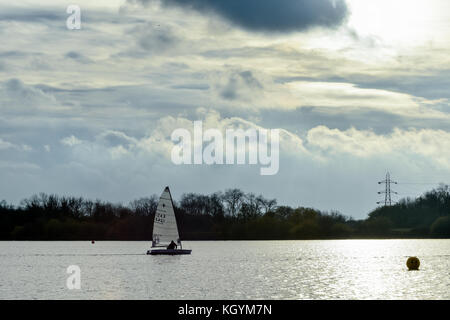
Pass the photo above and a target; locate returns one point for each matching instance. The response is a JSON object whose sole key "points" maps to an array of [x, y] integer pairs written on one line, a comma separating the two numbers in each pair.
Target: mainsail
{"points": [[165, 227]]}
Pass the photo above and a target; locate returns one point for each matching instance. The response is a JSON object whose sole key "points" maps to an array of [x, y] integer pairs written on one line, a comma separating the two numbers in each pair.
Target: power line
{"points": [[415, 187], [422, 183]]}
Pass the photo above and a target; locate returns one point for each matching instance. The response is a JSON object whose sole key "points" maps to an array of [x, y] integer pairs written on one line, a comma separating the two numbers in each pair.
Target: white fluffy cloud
{"points": [[431, 144], [325, 161], [5, 145]]}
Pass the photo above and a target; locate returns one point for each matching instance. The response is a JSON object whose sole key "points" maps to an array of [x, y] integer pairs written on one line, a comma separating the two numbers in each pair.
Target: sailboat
{"points": [[165, 229]]}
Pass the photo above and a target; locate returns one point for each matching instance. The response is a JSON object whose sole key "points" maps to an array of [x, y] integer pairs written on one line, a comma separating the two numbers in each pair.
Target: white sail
{"points": [[165, 227]]}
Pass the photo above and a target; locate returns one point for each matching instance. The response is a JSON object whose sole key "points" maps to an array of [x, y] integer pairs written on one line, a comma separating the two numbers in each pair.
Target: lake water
{"points": [[342, 269]]}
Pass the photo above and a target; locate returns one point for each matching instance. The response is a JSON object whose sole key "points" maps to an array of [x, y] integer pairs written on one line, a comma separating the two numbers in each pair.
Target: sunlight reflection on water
{"points": [[341, 269]]}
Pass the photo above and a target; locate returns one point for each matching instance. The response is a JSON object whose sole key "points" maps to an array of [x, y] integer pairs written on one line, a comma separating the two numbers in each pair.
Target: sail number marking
{"points": [[160, 217]]}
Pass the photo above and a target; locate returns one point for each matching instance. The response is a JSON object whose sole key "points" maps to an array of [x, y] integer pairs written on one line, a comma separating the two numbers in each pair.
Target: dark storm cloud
{"points": [[271, 15]]}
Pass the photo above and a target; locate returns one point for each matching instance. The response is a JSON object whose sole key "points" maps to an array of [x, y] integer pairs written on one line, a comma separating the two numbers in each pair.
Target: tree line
{"points": [[229, 215]]}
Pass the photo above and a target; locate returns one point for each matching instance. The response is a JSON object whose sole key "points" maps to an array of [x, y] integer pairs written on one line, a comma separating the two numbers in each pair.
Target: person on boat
{"points": [[172, 246]]}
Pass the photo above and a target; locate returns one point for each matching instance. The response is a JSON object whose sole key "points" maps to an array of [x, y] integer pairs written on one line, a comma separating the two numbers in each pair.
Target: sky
{"points": [[356, 87]]}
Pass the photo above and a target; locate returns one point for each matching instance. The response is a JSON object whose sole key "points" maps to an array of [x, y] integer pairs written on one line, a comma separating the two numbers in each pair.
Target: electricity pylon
{"points": [[387, 190]]}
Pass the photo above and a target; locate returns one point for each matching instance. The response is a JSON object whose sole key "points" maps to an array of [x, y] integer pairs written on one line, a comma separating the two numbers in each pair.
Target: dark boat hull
{"points": [[168, 252]]}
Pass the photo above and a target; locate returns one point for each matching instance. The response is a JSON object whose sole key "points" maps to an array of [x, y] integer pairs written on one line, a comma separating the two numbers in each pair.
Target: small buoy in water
{"points": [[413, 263], [92, 241]]}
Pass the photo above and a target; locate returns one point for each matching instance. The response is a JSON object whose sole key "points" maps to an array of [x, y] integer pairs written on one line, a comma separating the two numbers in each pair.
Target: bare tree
{"points": [[267, 204], [145, 206], [233, 199]]}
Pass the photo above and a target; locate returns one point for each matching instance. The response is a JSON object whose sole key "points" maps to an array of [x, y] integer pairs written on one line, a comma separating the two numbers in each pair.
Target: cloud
{"points": [[348, 108], [120, 166], [351, 97], [320, 143], [74, 55], [71, 141], [155, 40], [29, 16], [380, 121], [432, 145], [20, 167], [5, 145], [431, 86], [147, 39], [237, 83], [271, 15], [17, 96], [116, 138]]}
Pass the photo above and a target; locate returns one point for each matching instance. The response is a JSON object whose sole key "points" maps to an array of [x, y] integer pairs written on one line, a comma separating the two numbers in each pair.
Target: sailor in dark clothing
{"points": [[172, 246]]}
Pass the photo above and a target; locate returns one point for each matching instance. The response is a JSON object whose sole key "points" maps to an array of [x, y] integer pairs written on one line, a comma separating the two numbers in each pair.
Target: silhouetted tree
{"points": [[229, 215], [233, 199], [145, 206]]}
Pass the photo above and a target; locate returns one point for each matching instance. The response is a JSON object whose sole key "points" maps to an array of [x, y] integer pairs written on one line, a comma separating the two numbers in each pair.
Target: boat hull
{"points": [[172, 252]]}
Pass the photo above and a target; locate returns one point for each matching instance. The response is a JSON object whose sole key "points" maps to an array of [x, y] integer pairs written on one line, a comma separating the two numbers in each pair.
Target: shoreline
{"points": [[243, 240]]}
